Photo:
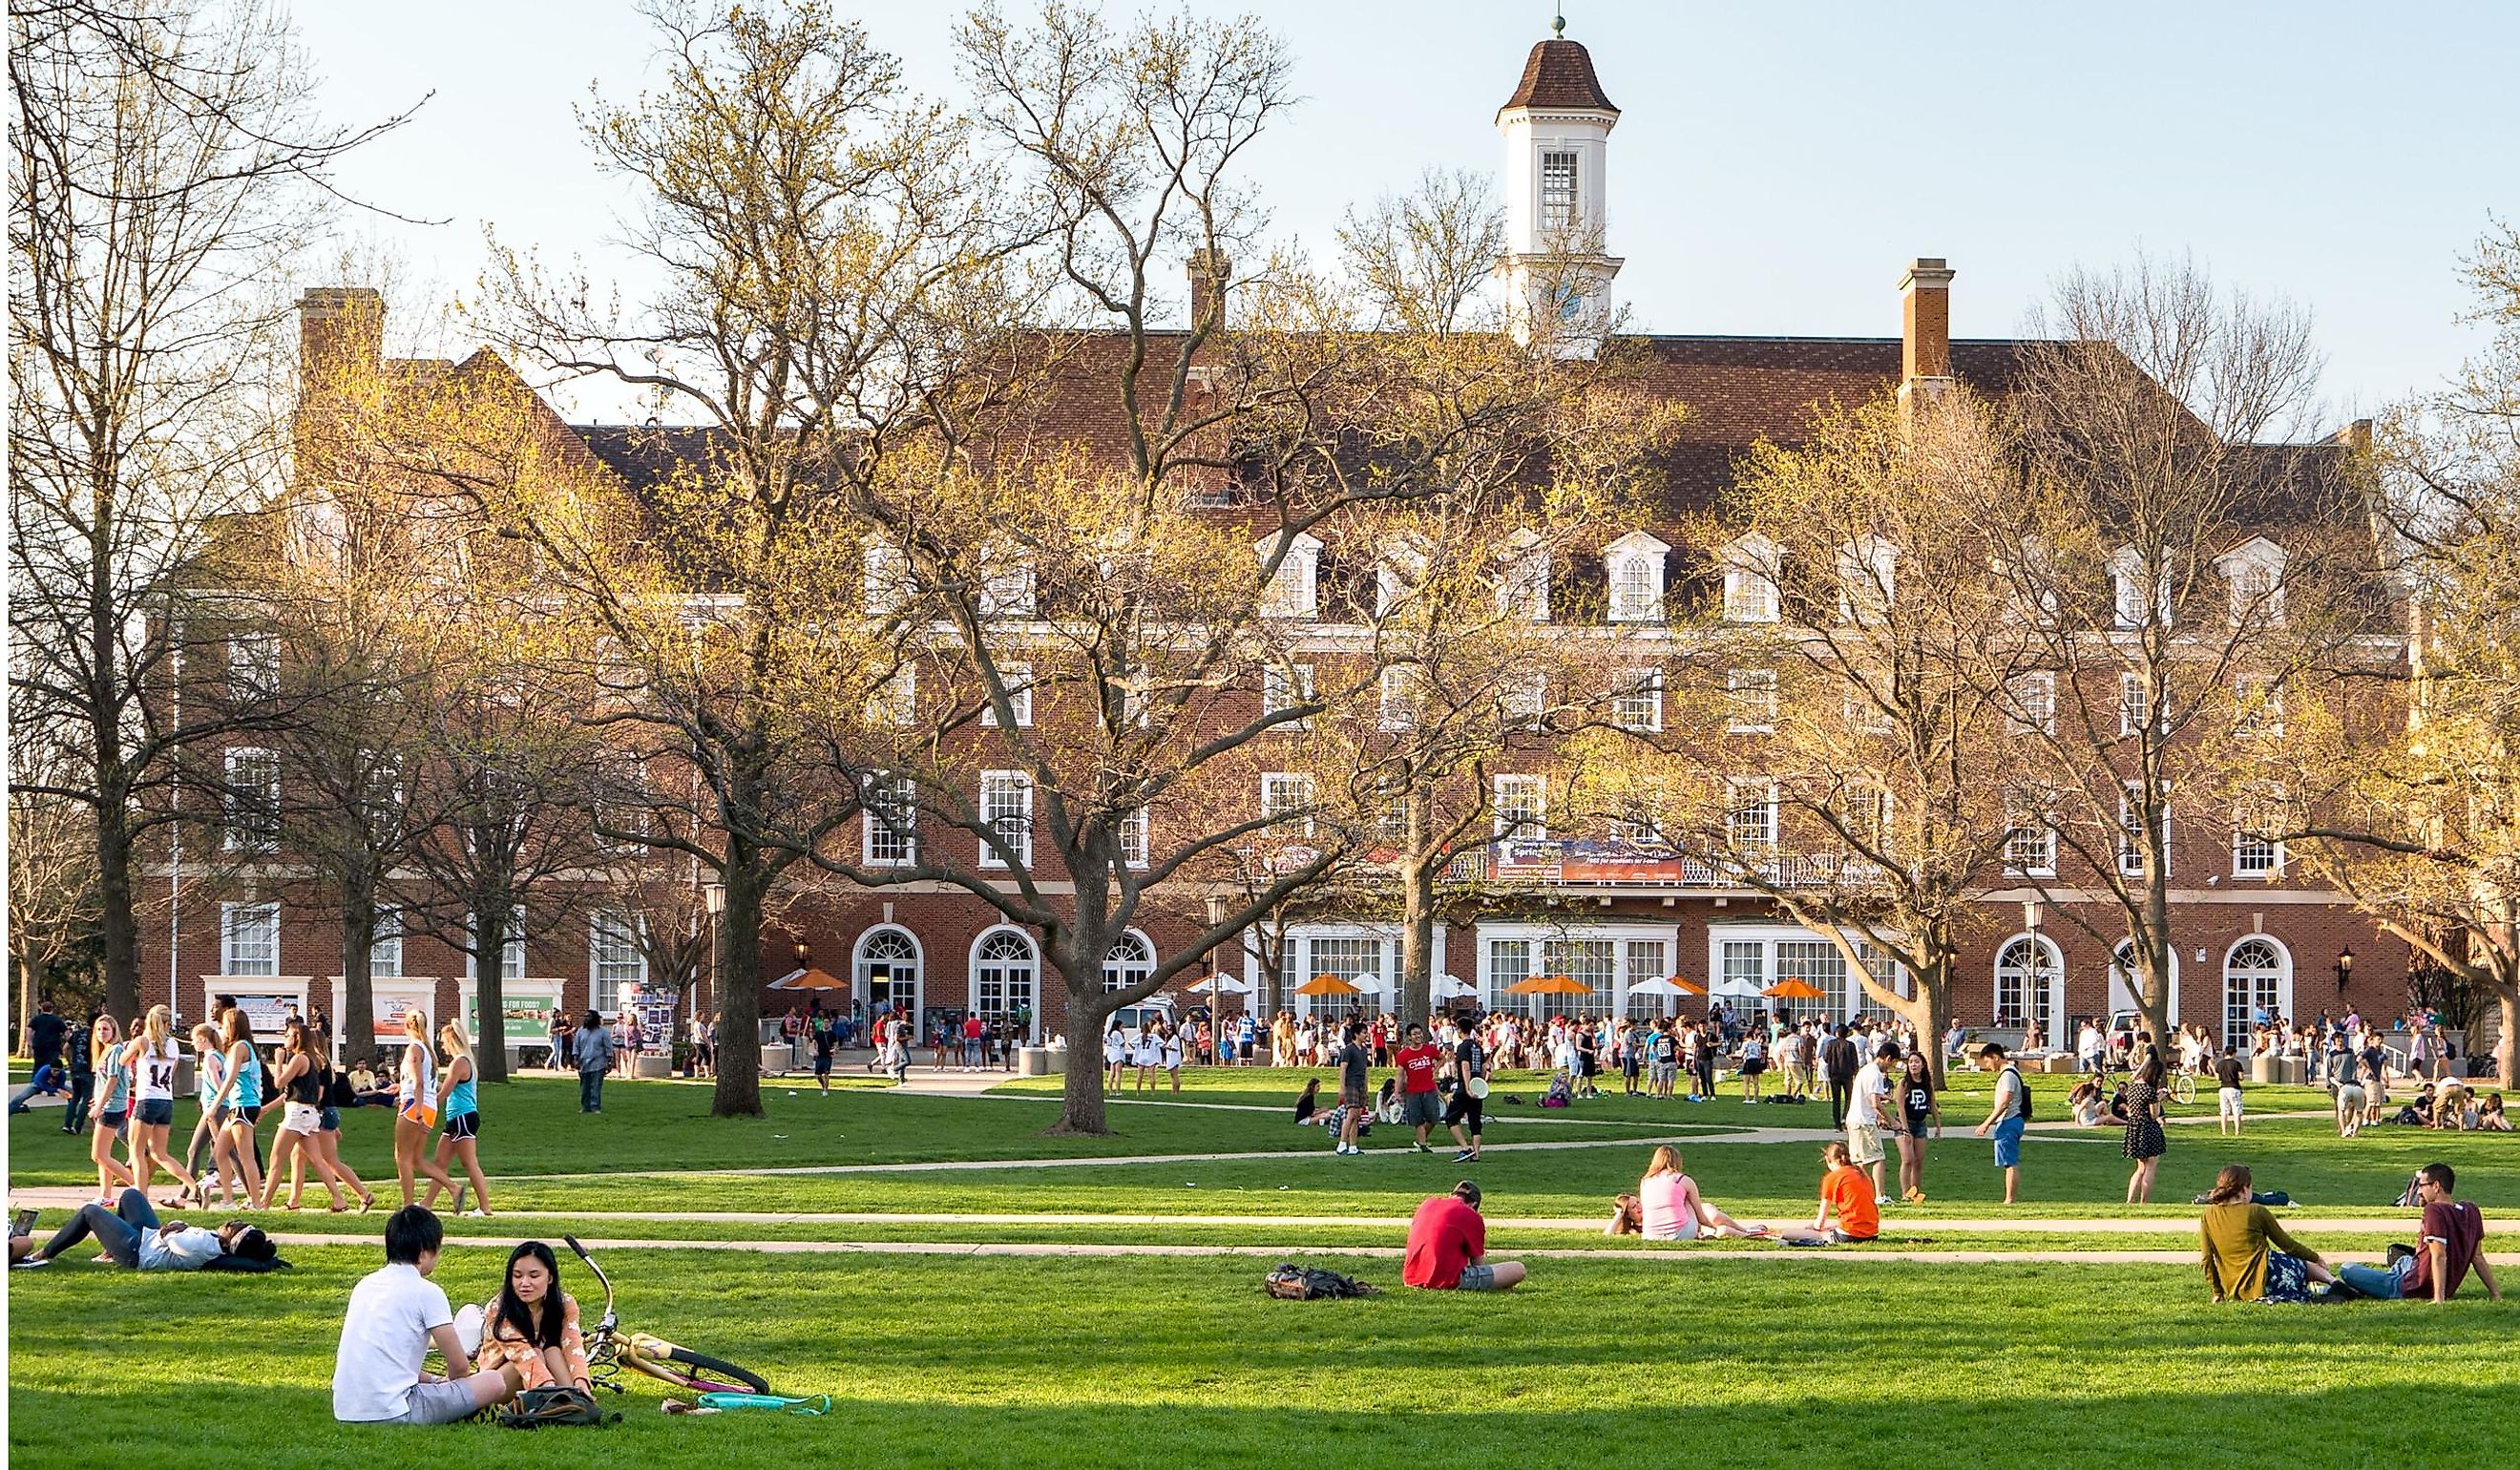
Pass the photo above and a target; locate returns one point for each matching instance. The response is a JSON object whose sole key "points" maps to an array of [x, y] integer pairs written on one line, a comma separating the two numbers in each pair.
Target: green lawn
{"points": [[1098, 1362]]}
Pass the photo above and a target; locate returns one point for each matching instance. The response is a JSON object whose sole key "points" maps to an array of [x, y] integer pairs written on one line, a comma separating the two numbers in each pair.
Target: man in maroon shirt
{"points": [[2449, 1247], [1448, 1246], [1418, 1105]]}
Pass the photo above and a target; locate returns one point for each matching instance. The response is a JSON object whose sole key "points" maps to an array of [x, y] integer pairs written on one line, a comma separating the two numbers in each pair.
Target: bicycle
{"points": [[2183, 1086], [610, 1349]]}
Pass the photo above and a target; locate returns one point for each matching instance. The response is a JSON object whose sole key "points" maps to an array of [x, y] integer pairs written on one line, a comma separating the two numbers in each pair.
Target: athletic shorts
{"points": [[113, 1121], [1862, 1144], [2007, 1142], [1476, 1278], [252, 1115], [2230, 1099], [1421, 1107], [1464, 1110], [463, 1125], [2349, 1096], [301, 1118], [157, 1112]]}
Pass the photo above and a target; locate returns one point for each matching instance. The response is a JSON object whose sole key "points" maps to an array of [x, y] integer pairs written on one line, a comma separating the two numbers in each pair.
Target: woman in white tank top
{"points": [[415, 1109], [152, 1057]]}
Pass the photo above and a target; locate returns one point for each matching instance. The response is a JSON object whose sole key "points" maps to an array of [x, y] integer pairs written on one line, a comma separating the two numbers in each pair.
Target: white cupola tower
{"points": [[1557, 268]]}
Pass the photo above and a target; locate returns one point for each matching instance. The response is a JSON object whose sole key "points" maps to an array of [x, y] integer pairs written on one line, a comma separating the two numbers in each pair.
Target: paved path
{"points": [[1675, 1253]]}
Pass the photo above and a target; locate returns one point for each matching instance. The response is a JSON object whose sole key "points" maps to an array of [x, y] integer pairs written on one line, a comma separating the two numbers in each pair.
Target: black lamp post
{"points": [[2344, 968]]}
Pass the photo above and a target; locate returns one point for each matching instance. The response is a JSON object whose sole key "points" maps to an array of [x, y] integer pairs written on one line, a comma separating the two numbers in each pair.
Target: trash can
{"points": [[654, 1064]]}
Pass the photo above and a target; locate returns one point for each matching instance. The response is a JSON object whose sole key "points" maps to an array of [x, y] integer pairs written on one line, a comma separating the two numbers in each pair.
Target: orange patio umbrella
{"points": [[810, 979], [1795, 990], [1326, 985], [1548, 985]]}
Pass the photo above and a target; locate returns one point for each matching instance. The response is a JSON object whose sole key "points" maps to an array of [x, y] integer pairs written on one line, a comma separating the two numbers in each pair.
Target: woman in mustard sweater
{"points": [[2248, 1257]]}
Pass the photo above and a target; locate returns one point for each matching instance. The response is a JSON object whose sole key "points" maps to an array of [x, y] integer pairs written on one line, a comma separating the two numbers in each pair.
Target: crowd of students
{"points": [[130, 1112]]}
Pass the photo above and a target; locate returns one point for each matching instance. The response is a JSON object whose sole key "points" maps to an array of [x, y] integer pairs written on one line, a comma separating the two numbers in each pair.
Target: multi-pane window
{"points": [[1343, 956], [1645, 960], [888, 579], [891, 818], [2134, 704], [1866, 579], [1018, 679], [2129, 584], [251, 800], [621, 805], [1863, 811], [512, 952], [615, 964], [2027, 984], [1134, 835], [1294, 589], [1636, 589], [1750, 700], [2029, 837], [1287, 796], [1521, 808], [2257, 591], [895, 700], [1749, 595], [1639, 827], [1745, 966], [2034, 702], [1006, 808], [1005, 586], [2130, 832], [1638, 705], [2255, 852], [1557, 182], [1525, 697], [254, 666], [1884, 971], [1005, 971], [1864, 714], [1392, 812], [2252, 986], [1751, 816], [1396, 704], [1593, 962], [1508, 966], [250, 939], [1285, 687], [1817, 964], [1522, 584], [384, 947], [1129, 962]]}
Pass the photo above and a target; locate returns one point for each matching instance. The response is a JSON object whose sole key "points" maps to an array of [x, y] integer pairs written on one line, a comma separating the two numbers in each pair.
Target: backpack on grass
{"points": [[1290, 1282]]}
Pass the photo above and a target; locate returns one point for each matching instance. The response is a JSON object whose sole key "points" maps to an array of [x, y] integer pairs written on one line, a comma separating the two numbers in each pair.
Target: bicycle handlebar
{"points": [[599, 1272]]}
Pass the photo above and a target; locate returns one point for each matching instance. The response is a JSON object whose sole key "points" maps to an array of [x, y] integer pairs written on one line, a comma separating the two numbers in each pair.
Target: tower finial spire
{"points": [[1557, 26]]}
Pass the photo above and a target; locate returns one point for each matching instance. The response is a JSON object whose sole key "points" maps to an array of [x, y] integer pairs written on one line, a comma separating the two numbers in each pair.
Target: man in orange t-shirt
{"points": [[1845, 1191]]}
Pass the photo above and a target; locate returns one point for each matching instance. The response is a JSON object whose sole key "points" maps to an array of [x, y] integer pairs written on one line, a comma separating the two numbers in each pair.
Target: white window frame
{"points": [[384, 947], [1397, 702], [1526, 954], [2033, 696], [1742, 960], [1288, 791], [1633, 566], [2033, 822], [1868, 571], [1752, 572], [1018, 679], [895, 700], [1519, 804], [1137, 833], [1745, 797], [2042, 984], [2266, 693], [1007, 586], [2253, 574], [1562, 191], [236, 836], [618, 931], [2254, 856], [1636, 706], [2130, 857], [1523, 578], [887, 578], [1750, 699], [2134, 704], [2127, 595], [1293, 589], [233, 959], [1524, 700], [1120, 971], [1868, 810], [880, 843], [1285, 686], [254, 666], [1006, 796]]}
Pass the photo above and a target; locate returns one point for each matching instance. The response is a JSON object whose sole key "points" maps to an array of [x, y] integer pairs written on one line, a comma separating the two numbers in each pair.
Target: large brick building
{"points": [[2250, 934]]}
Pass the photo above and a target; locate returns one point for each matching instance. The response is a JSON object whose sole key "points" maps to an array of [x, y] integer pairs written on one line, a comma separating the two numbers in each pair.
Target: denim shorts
{"points": [[328, 1120], [157, 1112], [1476, 1278]]}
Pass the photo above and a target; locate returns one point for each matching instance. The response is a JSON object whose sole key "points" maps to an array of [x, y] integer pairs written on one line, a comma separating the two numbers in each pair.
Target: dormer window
{"points": [[1523, 583], [2127, 583], [1294, 588], [1634, 563], [1751, 567], [1867, 572], [1398, 572], [2254, 574]]}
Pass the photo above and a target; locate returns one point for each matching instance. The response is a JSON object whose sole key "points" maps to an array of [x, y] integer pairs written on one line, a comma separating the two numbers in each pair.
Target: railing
{"points": [[1616, 864]]}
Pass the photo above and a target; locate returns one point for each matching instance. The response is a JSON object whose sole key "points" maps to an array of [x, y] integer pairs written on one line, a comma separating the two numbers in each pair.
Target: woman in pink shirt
{"points": [[1668, 1207]]}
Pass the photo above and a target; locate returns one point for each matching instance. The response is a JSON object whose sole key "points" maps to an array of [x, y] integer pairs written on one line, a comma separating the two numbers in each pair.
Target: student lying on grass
{"points": [[132, 1236]]}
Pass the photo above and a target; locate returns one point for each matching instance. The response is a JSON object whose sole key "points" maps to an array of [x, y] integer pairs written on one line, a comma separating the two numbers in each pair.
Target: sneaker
{"points": [[1881, 1201], [31, 1263], [1423, 1149], [1464, 1157]]}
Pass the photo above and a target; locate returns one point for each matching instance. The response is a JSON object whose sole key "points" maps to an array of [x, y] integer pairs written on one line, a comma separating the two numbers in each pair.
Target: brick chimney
{"points": [[1208, 273], [340, 337], [1924, 328]]}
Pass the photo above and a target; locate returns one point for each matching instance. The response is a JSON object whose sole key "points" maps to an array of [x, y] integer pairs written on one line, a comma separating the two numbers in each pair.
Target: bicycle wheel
{"points": [[685, 1368], [2184, 1088]]}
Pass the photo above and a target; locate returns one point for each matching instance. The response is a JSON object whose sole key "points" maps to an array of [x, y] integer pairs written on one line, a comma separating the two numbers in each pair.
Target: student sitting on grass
{"points": [[132, 1236], [2488, 1115], [395, 1313], [1308, 1102], [2247, 1255], [2454, 1231], [1668, 1207], [1846, 1193], [531, 1325], [1448, 1246]]}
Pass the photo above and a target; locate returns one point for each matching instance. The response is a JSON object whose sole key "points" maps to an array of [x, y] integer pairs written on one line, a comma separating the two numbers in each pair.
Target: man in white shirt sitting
{"points": [[394, 1314]]}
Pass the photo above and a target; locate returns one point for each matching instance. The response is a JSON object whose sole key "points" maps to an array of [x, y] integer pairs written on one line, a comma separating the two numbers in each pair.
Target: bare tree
{"points": [[166, 163]]}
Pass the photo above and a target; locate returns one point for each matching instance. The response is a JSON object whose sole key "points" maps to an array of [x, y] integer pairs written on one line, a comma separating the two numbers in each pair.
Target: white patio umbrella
{"points": [[1453, 988], [1221, 984], [1371, 985], [1655, 987]]}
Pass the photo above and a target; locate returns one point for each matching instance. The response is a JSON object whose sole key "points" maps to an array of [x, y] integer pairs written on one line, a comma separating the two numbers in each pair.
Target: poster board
{"points": [[525, 1020]]}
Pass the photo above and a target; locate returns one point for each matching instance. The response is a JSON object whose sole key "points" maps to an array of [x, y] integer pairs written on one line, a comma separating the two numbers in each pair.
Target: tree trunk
{"points": [[358, 1017], [1930, 1009], [115, 918], [738, 1092], [1417, 936], [30, 989], [1089, 1013], [2507, 1038], [490, 985]]}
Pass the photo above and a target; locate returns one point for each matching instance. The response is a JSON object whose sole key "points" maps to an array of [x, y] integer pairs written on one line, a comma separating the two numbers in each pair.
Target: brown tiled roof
{"points": [[1559, 75]]}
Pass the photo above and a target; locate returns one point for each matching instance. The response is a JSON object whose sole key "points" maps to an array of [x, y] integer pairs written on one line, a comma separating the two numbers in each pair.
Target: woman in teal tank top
{"points": [[238, 1108], [110, 1109], [460, 1109]]}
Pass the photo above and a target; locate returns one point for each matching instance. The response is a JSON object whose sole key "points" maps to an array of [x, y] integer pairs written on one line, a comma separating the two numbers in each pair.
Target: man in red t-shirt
{"points": [[1448, 1246], [1419, 1106]]}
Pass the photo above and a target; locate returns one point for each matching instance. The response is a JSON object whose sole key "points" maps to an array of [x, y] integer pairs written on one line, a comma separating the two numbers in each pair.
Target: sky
{"points": [[1774, 167]]}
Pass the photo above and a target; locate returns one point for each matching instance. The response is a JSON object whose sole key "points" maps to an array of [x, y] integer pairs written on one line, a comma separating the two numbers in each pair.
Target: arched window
{"points": [[1005, 974], [2256, 982], [2124, 983], [1130, 959], [2030, 984], [888, 969]]}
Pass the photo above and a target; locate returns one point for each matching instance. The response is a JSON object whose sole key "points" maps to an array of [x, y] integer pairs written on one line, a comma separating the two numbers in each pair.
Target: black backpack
{"points": [[545, 1408], [1290, 1282], [2021, 1090]]}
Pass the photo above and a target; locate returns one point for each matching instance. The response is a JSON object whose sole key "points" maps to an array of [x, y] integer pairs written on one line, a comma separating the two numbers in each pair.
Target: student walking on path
{"points": [[152, 1057], [460, 1107], [1839, 1060], [593, 1056], [415, 1105]]}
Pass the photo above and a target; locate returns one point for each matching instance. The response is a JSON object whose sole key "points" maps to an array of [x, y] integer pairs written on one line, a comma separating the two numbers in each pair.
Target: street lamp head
{"points": [[2030, 915], [713, 895], [2344, 966]]}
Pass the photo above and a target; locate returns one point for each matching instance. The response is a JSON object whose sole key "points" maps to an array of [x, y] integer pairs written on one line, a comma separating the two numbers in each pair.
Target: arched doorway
{"points": [[2030, 985], [888, 970], [1006, 980], [2257, 980], [2123, 981]]}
